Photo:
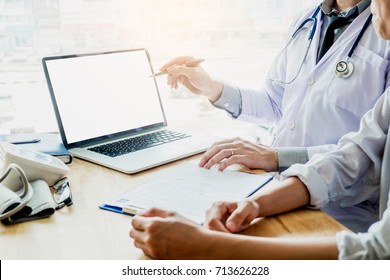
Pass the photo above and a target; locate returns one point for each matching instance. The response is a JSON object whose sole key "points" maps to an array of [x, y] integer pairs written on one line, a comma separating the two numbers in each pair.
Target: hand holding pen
{"points": [[186, 71]]}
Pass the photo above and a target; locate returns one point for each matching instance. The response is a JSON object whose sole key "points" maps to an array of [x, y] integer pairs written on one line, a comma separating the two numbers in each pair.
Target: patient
{"points": [[357, 170]]}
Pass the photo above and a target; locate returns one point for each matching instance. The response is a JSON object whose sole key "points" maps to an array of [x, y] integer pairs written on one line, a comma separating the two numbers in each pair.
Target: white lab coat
{"points": [[318, 107], [357, 170]]}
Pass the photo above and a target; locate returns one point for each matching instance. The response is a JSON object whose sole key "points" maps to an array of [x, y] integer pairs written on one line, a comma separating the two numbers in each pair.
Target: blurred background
{"points": [[237, 38]]}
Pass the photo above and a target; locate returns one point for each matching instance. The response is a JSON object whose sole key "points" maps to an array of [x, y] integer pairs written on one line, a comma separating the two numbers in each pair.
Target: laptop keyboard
{"points": [[138, 143]]}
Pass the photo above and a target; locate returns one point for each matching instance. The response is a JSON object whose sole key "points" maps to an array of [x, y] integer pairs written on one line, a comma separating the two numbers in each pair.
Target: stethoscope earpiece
{"points": [[344, 69]]}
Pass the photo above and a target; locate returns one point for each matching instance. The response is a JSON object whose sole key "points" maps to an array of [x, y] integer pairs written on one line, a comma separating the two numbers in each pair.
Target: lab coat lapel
{"points": [[346, 38]]}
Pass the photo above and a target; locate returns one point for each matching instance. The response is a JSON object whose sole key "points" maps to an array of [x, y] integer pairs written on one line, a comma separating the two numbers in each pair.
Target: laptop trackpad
{"points": [[154, 157]]}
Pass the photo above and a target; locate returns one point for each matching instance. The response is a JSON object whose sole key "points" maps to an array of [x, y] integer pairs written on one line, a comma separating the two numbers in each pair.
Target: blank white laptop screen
{"points": [[103, 94]]}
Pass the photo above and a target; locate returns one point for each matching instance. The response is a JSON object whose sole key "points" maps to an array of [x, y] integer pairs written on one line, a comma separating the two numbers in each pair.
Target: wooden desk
{"points": [[83, 231]]}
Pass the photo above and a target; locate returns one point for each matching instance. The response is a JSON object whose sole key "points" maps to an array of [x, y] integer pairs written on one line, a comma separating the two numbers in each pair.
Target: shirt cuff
{"points": [[288, 156], [351, 245], [230, 100], [313, 181]]}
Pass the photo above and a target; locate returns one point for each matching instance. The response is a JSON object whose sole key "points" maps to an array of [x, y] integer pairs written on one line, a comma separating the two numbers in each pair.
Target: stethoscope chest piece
{"points": [[344, 69]]}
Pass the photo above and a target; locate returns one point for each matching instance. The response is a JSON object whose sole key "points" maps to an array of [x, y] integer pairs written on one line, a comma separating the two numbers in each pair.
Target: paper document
{"points": [[189, 190]]}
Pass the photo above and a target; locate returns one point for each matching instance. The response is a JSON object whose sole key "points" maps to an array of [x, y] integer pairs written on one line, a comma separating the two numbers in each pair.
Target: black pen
{"points": [[27, 141]]}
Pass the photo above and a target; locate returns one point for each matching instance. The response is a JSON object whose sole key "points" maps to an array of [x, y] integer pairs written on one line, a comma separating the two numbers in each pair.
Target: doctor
{"points": [[331, 71], [359, 165]]}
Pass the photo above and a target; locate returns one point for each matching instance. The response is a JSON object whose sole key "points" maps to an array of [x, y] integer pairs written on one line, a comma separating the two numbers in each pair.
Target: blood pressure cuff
{"points": [[8, 199], [40, 206]]}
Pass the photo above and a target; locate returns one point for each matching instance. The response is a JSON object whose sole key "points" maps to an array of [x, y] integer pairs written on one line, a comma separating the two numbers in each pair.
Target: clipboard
{"points": [[187, 189]]}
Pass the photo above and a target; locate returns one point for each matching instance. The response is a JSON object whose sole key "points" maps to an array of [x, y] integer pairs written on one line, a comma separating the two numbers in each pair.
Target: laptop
{"points": [[109, 111]]}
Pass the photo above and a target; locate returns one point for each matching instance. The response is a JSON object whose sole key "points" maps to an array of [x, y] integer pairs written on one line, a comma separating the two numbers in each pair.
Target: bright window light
{"points": [[238, 40]]}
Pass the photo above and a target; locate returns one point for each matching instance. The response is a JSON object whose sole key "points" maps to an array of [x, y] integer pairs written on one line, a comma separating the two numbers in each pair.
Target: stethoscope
{"points": [[343, 69]]}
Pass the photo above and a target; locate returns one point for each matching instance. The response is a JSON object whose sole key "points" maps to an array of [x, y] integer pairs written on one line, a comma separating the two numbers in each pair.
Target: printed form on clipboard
{"points": [[187, 189]]}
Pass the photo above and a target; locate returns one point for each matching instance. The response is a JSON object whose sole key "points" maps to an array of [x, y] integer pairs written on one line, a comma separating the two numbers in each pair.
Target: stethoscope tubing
{"points": [[359, 37], [347, 62], [313, 18]]}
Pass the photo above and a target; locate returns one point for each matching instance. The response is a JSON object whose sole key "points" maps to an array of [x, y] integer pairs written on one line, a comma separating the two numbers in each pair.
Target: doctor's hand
{"points": [[239, 151], [183, 70], [162, 234], [231, 216]]}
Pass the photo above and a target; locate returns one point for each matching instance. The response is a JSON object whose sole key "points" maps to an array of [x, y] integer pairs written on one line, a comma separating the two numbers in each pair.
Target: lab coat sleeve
{"points": [[374, 244], [257, 106], [320, 149], [262, 106], [332, 176], [351, 173]]}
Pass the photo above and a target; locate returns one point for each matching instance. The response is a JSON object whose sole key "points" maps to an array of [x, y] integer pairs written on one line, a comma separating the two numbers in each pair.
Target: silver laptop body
{"points": [[100, 98]]}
